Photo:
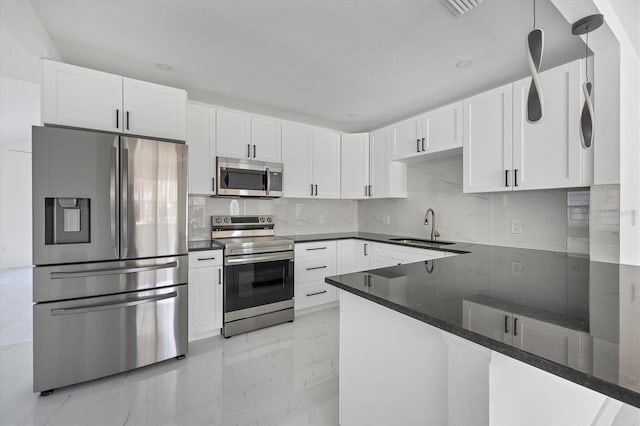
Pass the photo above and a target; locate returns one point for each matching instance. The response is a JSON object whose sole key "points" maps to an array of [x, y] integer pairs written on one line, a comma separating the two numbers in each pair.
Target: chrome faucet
{"points": [[434, 233]]}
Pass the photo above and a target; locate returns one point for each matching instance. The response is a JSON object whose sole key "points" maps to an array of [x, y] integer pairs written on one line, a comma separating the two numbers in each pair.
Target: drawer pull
{"points": [[316, 267], [316, 293], [206, 258], [316, 248]]}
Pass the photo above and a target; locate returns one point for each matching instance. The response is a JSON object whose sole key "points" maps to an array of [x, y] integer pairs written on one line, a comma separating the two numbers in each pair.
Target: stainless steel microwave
{"points": [[248, 178]]}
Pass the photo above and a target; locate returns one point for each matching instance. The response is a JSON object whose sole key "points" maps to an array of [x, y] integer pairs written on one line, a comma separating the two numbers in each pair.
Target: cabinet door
{"points": [[442, 128], [541, 338], [354, 177], [233, 134], [297, 159], [379, 162], [326, 164], [80, 97], [201, 133], [345, 250], [487, 141], [154, 110], [361, 255], [266, 139], [205, 301], [408, 138], [547, 154], [490, 322]]}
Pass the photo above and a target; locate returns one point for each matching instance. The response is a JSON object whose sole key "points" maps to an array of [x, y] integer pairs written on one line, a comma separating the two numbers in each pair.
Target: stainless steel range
{"points": [[258, 273]]}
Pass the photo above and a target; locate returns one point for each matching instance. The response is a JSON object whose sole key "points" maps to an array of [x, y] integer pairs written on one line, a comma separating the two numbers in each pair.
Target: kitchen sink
{"points": [[421, 242]]}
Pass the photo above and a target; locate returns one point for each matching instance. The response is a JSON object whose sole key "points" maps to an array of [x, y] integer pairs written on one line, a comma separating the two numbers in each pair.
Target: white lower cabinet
{"points": [[353, 256], [385, 255], [205, 294], [313, 262]]}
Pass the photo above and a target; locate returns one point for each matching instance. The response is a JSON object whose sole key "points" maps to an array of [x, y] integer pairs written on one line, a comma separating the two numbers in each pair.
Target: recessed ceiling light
{"points": [[352, 115], [164, 67], [464, 63]]}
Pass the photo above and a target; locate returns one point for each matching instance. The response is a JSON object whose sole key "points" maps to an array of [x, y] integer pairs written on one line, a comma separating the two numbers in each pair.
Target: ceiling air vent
{"points": [[460, 7]]}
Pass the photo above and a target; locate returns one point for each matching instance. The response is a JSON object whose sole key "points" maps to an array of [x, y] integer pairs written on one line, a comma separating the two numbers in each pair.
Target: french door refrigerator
{"points": [[110, 249]]}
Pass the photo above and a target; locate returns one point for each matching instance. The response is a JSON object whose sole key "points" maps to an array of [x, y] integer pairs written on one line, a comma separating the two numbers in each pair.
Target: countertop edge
{"points": [[599, 385]]}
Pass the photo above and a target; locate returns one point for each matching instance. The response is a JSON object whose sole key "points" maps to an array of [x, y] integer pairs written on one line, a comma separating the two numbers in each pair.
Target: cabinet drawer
{"points": [[314, 294], [315, 268], [317, 248], [200, 259]]}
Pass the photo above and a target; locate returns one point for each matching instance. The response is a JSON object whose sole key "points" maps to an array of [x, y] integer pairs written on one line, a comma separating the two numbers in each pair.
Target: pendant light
{"points": [[535, 47], [587, 117]]}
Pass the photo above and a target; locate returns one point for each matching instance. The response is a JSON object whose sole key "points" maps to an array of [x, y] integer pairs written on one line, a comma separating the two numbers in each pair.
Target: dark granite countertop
{"points": [[199, 245], [560, 297]]}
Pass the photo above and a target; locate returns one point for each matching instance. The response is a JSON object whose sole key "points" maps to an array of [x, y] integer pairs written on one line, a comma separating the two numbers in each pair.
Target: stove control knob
{"points": [[269, 220], [261, 219], [218, 220], [227, 220]]}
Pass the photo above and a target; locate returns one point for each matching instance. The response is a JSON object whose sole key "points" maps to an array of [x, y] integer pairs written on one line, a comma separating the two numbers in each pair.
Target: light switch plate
{"points": [[516, 268], [516, 227]]}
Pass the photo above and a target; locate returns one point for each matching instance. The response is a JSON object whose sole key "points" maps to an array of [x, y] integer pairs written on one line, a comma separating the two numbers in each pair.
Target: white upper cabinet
{"points": [[154, 110], [297, 142], [326, 163], [487, 141], [354, 179], [387, 179], [243, 136], [408, 138], [201, 133], [80, 97], [233, 134], [548, 153], [266, 139], [442, 128]]}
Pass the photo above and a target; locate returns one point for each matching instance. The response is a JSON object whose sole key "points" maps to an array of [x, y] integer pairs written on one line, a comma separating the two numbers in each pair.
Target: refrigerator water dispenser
{"points": [[67, 220]]}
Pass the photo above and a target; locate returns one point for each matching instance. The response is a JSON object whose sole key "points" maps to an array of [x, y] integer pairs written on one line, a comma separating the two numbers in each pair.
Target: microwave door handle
{"points": [[268, 181]]}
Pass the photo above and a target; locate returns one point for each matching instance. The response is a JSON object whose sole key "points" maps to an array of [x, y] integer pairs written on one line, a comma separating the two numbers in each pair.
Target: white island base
{"points": [[396, 370]]}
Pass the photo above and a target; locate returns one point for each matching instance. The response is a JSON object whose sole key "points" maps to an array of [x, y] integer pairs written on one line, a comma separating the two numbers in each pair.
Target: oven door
{"points": [[257, 280]]}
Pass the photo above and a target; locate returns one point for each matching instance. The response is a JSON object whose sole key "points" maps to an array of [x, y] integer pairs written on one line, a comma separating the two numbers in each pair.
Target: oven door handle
{"points": [[257, 258]]}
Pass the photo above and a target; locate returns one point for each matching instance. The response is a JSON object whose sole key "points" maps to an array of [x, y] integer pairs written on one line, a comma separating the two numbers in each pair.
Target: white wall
{"points": [[23, 42], [482, 218]]}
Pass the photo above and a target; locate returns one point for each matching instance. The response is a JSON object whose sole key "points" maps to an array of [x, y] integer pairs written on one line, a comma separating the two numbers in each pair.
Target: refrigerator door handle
{"points": [[113, 305], [111, 271], [113, 196], [124, 191]]}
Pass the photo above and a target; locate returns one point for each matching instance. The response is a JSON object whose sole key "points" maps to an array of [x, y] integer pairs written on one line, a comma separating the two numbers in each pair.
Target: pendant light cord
{"points": [[586, 57], [534, 14]]}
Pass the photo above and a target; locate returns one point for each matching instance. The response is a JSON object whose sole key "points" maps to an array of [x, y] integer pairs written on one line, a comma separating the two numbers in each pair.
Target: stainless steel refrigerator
{"points": [[110, 249]]}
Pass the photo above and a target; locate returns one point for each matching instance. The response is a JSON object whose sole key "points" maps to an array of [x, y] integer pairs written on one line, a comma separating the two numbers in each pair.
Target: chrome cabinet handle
{"points": [[117, 118], [316, 248], [506, 178], [127, 120], [112, 305], [316, 293], [417, 145], [219, 276], [206, 258], [254, 151], [316, 267], [370, 191], [423, 144], [248, 150], [515, 177], [365, 190], [366, 246], [316, 190], [311, 189], [111, 271], [515, 326], [213, 184], [506, 323]]}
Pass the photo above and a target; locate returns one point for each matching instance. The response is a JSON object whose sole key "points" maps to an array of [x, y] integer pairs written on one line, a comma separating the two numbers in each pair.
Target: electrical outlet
{"points": [[516, 226], [321, 219], [386, 220], [516, 268]]}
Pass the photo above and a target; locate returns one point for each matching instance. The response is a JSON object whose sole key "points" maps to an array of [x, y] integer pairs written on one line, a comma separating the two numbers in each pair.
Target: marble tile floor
{"points": [[287, 374]]}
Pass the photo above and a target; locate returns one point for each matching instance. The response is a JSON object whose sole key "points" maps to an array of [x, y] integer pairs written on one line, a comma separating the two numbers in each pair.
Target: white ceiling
{"points": [[315, 61]]}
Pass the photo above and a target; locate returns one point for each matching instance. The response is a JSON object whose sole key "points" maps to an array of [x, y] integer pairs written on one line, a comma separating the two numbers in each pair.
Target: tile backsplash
{"points": [[530, 219], [292, 215], [483, 218]]}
